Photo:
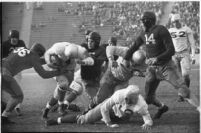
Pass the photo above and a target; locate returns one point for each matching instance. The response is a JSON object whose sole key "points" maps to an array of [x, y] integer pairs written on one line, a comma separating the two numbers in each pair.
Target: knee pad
{"points": [[76, 87]]}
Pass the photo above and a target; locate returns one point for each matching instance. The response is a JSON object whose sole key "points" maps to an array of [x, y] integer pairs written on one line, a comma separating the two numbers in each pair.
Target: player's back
{"points": [[180, 37], [20, 59]]}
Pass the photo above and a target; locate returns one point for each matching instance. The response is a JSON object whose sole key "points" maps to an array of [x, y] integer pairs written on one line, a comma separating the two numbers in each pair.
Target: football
{"points": [[139, 57]]}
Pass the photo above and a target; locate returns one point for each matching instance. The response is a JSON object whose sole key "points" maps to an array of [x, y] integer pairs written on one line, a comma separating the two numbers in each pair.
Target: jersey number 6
{"points": [[21, 51]]}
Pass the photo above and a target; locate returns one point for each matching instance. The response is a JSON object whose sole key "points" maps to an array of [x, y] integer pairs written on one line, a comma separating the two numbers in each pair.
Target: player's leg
{"points": [[185, 68], [176, 80], [151, 84], [11, 87], [63, 85], [71, 118], [75, 88], [91, 116], [106, 89], [52, 102], [18, 78]]}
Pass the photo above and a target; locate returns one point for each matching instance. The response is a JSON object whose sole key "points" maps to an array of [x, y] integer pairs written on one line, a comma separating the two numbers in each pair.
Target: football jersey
{"points": [[180, 38], [7, 47], [117, 103], [158, 43], [18, 60], [59, 49], [93, 72]]}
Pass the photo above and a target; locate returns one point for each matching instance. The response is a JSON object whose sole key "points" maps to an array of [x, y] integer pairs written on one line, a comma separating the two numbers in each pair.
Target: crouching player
{"points": [[117, 73], [19, 60], [88, 76], [122, 104], [67, 52]]}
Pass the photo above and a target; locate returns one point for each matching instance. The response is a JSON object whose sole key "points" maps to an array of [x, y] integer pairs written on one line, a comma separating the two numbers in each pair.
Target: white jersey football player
{"points": [[120, 106], [68, 53], [183, 41]]}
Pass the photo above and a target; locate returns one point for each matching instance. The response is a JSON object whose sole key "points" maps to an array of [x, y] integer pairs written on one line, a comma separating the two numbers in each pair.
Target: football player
{"points": [[88, 77], [118, 76], [68, 53], [8, 46], [159, 50], [19, 60], [122, 104], [182, 36]]}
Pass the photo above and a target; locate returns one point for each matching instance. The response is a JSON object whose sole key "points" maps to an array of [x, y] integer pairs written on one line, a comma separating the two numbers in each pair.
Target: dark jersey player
{"points": [[88, 76], [19, 60], [12, 43], [159, 51], [8, 46]]}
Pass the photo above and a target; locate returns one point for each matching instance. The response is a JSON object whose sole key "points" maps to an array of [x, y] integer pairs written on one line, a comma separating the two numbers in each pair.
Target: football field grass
{"points": [[181, 117]]}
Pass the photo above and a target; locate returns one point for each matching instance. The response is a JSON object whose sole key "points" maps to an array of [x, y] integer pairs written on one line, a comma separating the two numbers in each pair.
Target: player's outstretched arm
{"points": [[42, 72]]}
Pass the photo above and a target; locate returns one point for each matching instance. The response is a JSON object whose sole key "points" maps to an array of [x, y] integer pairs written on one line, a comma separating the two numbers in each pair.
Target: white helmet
{"points": [[139, 57], [132, 94], [175, 17]]}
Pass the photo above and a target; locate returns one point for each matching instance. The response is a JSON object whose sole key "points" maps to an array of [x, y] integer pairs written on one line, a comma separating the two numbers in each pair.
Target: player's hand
{"points": [[53, 66], [146, 127], [151, 61], [80, 120]]}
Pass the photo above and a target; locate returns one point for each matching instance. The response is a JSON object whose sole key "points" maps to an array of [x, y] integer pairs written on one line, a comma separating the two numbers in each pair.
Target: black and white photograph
{"points": [[100, 66]]}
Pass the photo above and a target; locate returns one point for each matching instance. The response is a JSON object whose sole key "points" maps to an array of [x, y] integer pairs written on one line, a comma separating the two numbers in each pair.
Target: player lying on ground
{"points": [[19, 60], [159, 51], [122, 104], [118, 76], [68, 53]]}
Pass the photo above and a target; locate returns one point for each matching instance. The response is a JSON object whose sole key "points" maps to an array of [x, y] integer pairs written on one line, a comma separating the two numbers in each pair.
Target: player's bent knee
{"points": [[76, 87], [184, 92]]}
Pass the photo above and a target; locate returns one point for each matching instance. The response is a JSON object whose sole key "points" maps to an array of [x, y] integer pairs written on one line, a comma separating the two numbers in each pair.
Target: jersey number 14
{"points": [[150, 39], [22, 51]]}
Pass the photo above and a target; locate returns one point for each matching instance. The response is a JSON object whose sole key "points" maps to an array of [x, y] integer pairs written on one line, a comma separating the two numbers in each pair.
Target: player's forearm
{"points": [[48, 74], [170, 51], [130, 52], [147, 119], [192, 44]]}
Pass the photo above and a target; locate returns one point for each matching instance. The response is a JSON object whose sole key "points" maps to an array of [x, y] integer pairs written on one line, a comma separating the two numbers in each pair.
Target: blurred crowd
{"points": [[190, 17], [124, 17]]}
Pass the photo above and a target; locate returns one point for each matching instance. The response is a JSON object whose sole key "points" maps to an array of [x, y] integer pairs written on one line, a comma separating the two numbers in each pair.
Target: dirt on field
{"points": [[181, 117]]}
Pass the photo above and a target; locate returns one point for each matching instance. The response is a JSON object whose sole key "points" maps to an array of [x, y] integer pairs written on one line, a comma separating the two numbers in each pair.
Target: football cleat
{"points": [[161, 111], [45, 113]]}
